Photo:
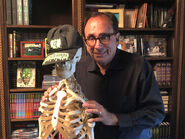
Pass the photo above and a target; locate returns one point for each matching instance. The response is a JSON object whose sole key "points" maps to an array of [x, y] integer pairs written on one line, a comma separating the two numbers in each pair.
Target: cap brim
{"points": [[62, 56]]}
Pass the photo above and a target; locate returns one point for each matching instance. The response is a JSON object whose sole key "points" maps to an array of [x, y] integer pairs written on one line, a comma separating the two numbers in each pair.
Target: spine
{"points": [[25, 12], [19, 13], [10, 37]]}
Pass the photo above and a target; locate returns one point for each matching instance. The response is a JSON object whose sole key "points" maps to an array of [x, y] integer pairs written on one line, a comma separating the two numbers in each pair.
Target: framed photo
{"points": [[32, 49], [26, 74], [119, 13], [154, 46]]}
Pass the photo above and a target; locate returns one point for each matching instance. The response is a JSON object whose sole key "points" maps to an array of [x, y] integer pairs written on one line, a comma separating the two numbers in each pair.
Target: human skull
{"points": [[65, 69]]}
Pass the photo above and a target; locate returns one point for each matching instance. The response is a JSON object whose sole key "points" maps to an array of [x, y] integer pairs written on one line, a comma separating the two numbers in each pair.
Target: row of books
{"points": [[145, 15], [19, 12], [161, 132], [15, 38], [162, 72], [146, 45], [24, 105]]}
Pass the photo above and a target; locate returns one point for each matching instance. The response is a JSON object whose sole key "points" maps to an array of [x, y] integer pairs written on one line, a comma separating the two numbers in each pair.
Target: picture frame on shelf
{"points": [[154, 46], [119, 13], [26, 74], [32, 49]]}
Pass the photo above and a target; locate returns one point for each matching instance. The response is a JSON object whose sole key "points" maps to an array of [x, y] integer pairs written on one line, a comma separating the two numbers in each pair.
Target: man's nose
{"points": [[98, 44]]}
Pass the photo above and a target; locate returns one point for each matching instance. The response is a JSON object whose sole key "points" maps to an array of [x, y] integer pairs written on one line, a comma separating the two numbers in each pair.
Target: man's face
{"points": [[101, 27]]}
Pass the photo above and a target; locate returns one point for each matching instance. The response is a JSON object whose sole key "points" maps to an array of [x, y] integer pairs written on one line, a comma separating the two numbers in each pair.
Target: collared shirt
{"points": [[128, 89]]}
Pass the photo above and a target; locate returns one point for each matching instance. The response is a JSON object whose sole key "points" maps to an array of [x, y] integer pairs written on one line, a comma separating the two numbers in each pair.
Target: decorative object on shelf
{"points": [[119, 13], [26, 74], [128, 43], [154, 45], [45, 46], [32, 49]]}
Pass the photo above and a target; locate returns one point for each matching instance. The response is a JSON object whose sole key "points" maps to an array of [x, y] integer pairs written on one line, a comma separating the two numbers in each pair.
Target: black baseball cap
{"points": [[63, 43]]}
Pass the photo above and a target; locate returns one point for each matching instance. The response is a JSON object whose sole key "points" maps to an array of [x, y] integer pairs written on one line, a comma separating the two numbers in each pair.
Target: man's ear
{"points": [[117, 36]]}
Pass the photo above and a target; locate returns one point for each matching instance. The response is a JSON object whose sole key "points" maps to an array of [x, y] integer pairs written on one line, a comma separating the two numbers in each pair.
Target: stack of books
{"points": [[26, 133], [49, 80]]}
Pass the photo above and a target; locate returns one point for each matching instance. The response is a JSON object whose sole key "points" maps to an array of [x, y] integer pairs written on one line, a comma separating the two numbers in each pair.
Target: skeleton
{"points": [[62, 111]]}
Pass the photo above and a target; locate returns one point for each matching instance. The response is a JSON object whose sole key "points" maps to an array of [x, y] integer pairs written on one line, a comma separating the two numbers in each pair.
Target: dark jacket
{"points": [[128, 89]]}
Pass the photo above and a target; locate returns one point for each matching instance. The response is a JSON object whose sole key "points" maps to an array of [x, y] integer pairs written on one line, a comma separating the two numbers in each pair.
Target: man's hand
{"points": [[105, 117]]}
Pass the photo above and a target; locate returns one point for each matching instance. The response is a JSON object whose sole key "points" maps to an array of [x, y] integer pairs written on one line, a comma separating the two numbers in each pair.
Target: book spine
{"points": [[32, 98], [30, 11], [9, 12], [11, 111], [10, 37], [25, 12], [24, 105], [19, 13], [14, 12], [14, 43], [17, 106]]}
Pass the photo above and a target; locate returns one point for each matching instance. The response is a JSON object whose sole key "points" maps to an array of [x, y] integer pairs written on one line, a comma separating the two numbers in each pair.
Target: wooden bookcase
{"points": [[46, 14], [175, 49]]}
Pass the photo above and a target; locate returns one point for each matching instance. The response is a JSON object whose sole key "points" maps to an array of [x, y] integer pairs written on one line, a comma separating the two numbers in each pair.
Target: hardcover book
{"points": [[25, 12], [26, 74], [130, 17], [141, 18], [14, 12], [19, 12]]}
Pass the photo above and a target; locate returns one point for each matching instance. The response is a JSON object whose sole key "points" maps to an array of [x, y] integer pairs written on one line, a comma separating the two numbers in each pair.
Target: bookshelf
{"points": [[173, 49], [46, 14]]}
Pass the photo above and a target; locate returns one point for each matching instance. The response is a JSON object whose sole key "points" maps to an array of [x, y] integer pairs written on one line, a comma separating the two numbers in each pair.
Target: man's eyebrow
{"points": [[90, 35], [105, 33]]}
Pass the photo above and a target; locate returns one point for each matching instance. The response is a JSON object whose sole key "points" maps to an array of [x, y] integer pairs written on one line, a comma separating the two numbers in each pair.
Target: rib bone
{"points": [[63, 113]]}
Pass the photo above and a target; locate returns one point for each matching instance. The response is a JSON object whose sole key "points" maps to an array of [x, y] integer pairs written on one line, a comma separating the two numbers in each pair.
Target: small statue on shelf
{"points": [[61, 108]]}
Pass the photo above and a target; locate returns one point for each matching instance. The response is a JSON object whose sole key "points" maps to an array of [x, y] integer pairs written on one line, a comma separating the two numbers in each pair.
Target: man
{"points": [[120, 86]]}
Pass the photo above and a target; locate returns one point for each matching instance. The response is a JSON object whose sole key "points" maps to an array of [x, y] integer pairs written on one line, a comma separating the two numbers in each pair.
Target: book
{"points": [[16, 43], [26, 74], [14, 12], [26, 133], [8, 12], [19, 12], [141, 18], [130, 17], [25, 12], [95, 7], [10, 44]]}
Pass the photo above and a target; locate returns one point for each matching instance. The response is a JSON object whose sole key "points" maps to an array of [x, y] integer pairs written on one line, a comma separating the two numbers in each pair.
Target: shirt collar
{"points": [[119, 61]]}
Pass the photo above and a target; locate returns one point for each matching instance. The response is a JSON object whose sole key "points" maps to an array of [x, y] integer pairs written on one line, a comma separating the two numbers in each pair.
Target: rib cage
{"points": [[63, 113]]}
